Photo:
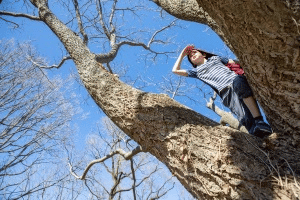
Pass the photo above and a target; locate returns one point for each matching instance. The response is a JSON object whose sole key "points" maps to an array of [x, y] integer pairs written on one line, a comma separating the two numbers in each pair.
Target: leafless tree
{"points": [[116, 171], [34, 124]]}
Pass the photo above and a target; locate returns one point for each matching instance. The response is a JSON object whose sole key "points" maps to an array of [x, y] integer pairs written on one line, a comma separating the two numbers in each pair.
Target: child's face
{"points": [[196, 57]]}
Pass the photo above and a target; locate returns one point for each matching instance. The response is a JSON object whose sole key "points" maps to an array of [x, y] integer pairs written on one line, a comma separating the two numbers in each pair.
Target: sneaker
{"points": [[261, 129]]}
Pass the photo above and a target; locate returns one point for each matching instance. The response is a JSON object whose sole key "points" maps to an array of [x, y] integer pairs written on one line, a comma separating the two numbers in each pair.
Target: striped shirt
{"points": [[214, 73]]}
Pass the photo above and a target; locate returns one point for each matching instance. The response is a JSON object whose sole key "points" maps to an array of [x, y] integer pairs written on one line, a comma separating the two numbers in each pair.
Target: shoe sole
{"points": [[262, 133]]}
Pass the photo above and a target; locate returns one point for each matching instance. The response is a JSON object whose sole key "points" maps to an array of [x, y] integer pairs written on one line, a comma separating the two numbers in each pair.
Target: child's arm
{"points": [[176, 68]]}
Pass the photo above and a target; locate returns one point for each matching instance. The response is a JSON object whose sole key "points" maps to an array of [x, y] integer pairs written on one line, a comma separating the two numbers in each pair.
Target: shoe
{"points": [[261, 129]]}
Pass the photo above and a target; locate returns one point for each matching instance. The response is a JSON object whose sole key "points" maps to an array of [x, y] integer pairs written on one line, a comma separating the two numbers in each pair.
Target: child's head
{"points": [[201, 54], [196, 57]]}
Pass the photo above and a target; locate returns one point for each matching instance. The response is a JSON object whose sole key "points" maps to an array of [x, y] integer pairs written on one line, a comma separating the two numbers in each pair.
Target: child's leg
{"points": [[243, 90], [252, 106]]}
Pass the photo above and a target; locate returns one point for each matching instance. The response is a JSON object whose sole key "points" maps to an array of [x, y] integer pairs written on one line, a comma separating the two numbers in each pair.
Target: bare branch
{"points": [[109, 68], [99, 8], [142, 45], [226, 117], [20, 15], [121, 152], [113, 9], [161, 188], [39, 67], [78, 16], [16, 25], [177, 88], [59, 64], [105, 58], [156, 32], [134, 179]]}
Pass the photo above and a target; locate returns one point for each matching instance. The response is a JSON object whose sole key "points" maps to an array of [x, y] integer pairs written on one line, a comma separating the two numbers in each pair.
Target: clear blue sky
{"points": [[49, 47]]}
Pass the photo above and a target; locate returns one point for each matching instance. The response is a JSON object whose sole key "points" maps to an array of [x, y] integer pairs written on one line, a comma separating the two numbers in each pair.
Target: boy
{"points": [[233, 89]]}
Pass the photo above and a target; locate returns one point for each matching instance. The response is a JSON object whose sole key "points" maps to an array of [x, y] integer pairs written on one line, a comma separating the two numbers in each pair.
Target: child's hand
{"points": [[188, 49]]}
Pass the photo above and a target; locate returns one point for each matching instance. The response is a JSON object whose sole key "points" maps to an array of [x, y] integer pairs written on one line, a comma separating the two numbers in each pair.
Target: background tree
{"points": [[221, 162], [34, 124], [113, 172]]}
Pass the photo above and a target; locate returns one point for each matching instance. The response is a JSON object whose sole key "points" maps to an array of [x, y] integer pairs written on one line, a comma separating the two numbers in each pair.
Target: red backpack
{"points": [[236, 68]]}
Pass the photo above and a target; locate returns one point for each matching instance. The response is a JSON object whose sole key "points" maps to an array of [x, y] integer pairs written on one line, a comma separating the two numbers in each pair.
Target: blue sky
{"points": [[132, 58]]}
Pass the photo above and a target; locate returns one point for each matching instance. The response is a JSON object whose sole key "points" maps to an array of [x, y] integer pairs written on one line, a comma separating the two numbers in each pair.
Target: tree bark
{"points": [[213, 161]]}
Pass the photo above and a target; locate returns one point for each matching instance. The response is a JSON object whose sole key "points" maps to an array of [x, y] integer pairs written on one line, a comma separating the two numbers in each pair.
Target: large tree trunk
{"points": [[210, 160]]}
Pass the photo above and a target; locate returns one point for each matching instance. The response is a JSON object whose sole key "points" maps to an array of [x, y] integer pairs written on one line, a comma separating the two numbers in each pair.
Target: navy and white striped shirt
{"points": [[214, 73]]}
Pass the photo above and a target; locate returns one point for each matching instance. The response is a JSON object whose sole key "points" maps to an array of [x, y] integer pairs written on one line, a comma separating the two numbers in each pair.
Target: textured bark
{"points": [[210, 160]]}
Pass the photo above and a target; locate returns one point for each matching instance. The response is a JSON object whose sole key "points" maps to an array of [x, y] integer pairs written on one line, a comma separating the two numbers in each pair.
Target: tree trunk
{"points": [[210, 160]]}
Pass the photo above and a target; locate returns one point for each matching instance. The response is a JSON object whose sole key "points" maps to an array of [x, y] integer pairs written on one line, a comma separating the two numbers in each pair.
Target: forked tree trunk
{"points": [[210, 160]]}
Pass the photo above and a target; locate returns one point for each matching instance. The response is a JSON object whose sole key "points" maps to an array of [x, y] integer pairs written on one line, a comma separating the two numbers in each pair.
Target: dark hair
{"points": [[195, 66]]}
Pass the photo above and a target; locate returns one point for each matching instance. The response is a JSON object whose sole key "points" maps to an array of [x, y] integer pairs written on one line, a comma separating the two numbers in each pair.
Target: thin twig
{"points": [[16, 25]]}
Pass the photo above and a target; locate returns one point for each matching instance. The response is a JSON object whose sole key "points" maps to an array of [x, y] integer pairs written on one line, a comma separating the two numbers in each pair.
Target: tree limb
{"points": [[99, 8], [105, 58], [134, 179], [162, 29], [59, 64], [226, 117], [113, 9], [78, 16], [20, 15], [125, 155]]}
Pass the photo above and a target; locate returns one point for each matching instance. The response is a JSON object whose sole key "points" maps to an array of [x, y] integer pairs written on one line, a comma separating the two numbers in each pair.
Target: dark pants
{"points": [[233, 96]]}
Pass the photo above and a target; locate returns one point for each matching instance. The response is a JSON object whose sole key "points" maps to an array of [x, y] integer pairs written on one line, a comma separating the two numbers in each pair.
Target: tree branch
{"points": [[105, 58], [16, 25], [226, 117], [113, 9], [165, 192], [59, 64], [109, 68], [121, 152], [134, 179], [20, 15], [39, 67], [99, 8], [78, 16], [162, 29]]}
